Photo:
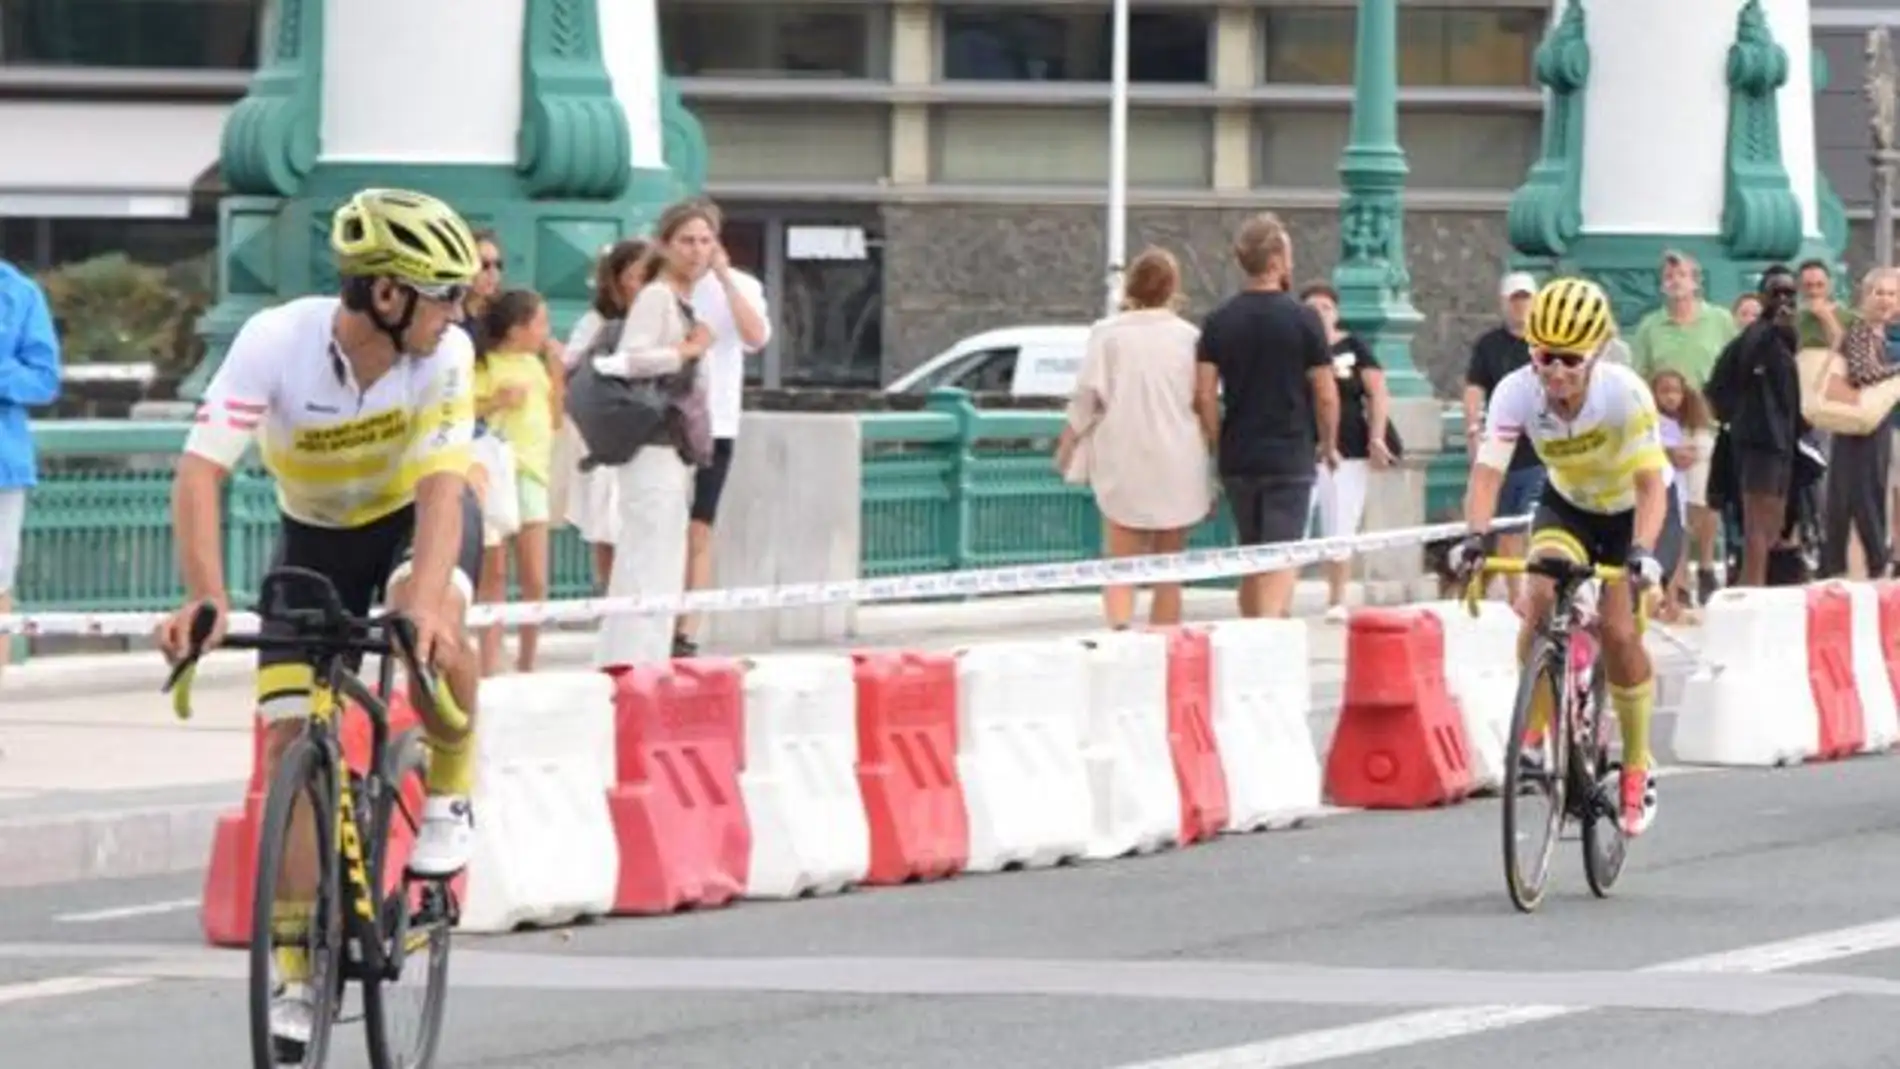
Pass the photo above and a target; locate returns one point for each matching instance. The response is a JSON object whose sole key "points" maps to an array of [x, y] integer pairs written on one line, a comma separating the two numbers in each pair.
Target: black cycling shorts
{"points": [[1596, 537], [359, 562]]}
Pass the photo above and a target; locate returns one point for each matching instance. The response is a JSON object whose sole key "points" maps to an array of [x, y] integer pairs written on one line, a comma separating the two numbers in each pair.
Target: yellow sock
{"points": [[451, 767], [1633, 704], [290, 921], [1541, 710]]}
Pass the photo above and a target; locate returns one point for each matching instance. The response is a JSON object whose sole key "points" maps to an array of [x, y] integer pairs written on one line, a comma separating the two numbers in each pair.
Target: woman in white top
{"points": [[731, 303], [655, 489], [590, 495], [1132, 434]]}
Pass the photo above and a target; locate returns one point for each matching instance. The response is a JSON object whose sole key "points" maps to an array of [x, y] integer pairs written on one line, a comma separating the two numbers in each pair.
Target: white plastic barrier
{"points": [[1481, 673], [1751, 702], [1879, 714], [810, 834], [1262, 692], [1136, 799], [1020, 710], [544, 848]]}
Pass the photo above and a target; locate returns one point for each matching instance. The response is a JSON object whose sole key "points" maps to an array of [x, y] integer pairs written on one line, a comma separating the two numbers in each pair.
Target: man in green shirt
{"points": [[1687, 333], [1821, 321]]}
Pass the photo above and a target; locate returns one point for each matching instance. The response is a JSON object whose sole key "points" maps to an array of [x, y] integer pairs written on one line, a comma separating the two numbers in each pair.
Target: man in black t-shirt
{"points": [[1264, 355], [1494, 355]]}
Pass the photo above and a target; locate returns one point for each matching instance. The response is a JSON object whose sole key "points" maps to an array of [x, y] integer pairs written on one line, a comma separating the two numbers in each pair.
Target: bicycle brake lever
{"points": [[178, 681]]}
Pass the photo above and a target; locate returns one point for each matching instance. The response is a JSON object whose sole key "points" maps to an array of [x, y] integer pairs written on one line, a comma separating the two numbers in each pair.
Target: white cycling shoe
{"points": [[445, 839], [291, 1016]]}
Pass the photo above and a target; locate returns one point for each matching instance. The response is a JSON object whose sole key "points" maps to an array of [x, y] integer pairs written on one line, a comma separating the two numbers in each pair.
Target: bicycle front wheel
{"points": [[1534, 780], [403, 1013], [1604, 848], [296, 916]]}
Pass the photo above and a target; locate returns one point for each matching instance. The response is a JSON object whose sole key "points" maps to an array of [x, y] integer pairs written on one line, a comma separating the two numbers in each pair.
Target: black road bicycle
{"points": [[357, 930], [1574, 778]]}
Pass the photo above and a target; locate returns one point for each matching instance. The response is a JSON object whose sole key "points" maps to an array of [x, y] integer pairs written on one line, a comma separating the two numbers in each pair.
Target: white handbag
{"points": [[1824, 372]]}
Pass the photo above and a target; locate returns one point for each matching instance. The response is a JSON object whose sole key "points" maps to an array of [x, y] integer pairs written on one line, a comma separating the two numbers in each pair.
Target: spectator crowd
{"points": [[1777, 414]]}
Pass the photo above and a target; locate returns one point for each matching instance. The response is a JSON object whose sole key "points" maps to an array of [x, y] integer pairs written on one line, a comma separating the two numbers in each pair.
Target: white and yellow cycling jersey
{"points": [[1592, 459], [342, 456]]}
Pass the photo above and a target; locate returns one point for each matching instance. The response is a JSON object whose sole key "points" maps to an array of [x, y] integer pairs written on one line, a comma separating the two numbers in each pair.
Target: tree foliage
{"points": [[111, 309]]}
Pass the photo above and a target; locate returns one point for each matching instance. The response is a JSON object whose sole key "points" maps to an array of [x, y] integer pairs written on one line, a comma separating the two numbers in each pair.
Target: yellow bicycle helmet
{"points": [[1570, 315], [407, 236]]}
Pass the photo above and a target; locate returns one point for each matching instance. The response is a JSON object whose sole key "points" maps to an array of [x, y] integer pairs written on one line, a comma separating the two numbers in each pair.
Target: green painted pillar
{"points": [[1375, 300], [549, 123], [1726, 173]]}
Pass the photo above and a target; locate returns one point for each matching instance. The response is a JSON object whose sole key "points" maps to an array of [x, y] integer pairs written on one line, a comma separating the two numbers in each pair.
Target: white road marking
{"points": [[1412, 1029], [147, 910], [60, 986], [122, 912]]}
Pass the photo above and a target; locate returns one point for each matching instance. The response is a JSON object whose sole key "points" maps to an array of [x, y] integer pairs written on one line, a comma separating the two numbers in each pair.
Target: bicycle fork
{"points": [[1589, 732]]}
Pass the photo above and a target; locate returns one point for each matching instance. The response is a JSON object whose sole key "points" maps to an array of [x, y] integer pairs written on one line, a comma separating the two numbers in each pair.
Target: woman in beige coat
{"points": [[1132, 434]]}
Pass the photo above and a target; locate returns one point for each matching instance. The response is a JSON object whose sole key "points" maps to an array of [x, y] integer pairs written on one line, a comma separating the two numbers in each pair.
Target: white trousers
{"points": [[1339, 496], [653, 496]]}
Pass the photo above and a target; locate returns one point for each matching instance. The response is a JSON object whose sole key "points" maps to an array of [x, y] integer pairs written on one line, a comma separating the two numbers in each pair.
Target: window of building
{"points": [[1059, 45], [754, 142], [156, 34], [1489, 47], [771, 40], [1841, 115], [1445, 150], [35, 245], [831, 317], [1168, 148]]}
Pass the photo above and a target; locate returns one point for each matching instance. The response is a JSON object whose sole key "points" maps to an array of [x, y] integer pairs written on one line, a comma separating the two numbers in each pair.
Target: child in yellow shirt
{"points": [[517, 399]]}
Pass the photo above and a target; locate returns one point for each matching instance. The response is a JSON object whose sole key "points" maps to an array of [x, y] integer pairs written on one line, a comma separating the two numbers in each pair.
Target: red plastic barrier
{"points": [[907, 766], [225, 909], [1831, 671], [1889, 591], [1197, 767], [1400, 743], [678, 815]]}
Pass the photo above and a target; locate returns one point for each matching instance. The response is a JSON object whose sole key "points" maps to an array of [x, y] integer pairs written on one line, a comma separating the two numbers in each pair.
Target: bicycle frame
{"points": [[1581, 727], [362, 888], [327, 636]]}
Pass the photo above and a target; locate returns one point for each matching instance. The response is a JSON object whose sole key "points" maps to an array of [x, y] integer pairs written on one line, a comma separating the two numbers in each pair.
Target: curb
{"points": [[107, 844]]}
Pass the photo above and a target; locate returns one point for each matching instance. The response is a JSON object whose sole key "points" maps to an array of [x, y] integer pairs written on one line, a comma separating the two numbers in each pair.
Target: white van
{"points": [[1026, 361]]}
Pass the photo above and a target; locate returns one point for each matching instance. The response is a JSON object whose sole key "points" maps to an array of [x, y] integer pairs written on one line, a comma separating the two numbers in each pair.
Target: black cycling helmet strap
{"points": [[395, 330]]}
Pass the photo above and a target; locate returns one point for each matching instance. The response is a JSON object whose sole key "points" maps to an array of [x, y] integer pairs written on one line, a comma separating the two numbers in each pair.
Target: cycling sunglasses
{"points": [[1545, 357], [445, 292]]}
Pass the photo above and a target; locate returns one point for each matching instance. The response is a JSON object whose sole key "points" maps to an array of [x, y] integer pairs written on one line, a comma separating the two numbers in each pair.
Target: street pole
{"points": [[1882, 76], [1117, 156]]}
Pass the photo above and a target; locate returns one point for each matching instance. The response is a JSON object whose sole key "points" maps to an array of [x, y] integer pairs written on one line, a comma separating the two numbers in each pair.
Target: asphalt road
{"points": [[1366, 939]]}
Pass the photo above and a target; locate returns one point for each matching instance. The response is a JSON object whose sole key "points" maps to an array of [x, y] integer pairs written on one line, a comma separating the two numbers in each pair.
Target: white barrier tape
{"points": [[1189, 566]]}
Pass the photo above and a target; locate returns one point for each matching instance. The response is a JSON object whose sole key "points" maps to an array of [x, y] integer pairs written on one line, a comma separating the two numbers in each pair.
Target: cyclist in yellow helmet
{"points": [[1595, 426], [362, 406]]}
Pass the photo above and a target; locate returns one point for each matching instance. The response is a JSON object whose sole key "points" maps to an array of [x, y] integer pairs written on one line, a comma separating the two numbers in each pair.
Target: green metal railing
{"points": [[945, 488]]}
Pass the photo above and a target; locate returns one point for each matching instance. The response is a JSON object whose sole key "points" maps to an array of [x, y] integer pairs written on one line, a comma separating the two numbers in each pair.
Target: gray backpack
{"points": [[616, 417]]}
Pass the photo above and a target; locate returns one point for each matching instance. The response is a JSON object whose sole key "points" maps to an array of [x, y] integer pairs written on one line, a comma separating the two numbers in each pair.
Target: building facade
{"points": [[903, 174]]}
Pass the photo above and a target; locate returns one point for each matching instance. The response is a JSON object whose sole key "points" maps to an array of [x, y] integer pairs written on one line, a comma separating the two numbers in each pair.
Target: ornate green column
{"points": [[1708, 177], [570, 177], [1374, 287]]}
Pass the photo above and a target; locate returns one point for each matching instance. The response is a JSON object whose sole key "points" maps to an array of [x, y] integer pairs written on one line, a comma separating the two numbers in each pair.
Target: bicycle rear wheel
{"points": [[1534, 796], [303, 775], [1604, 848], [417, 920]]}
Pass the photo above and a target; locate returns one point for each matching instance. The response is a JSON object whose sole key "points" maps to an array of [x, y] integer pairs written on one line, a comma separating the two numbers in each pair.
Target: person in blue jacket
{"points": [[29, 378]]}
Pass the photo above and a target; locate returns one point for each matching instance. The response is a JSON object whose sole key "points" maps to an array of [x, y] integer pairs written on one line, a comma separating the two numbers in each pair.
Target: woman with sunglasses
{"points": [[1595, 426]]}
